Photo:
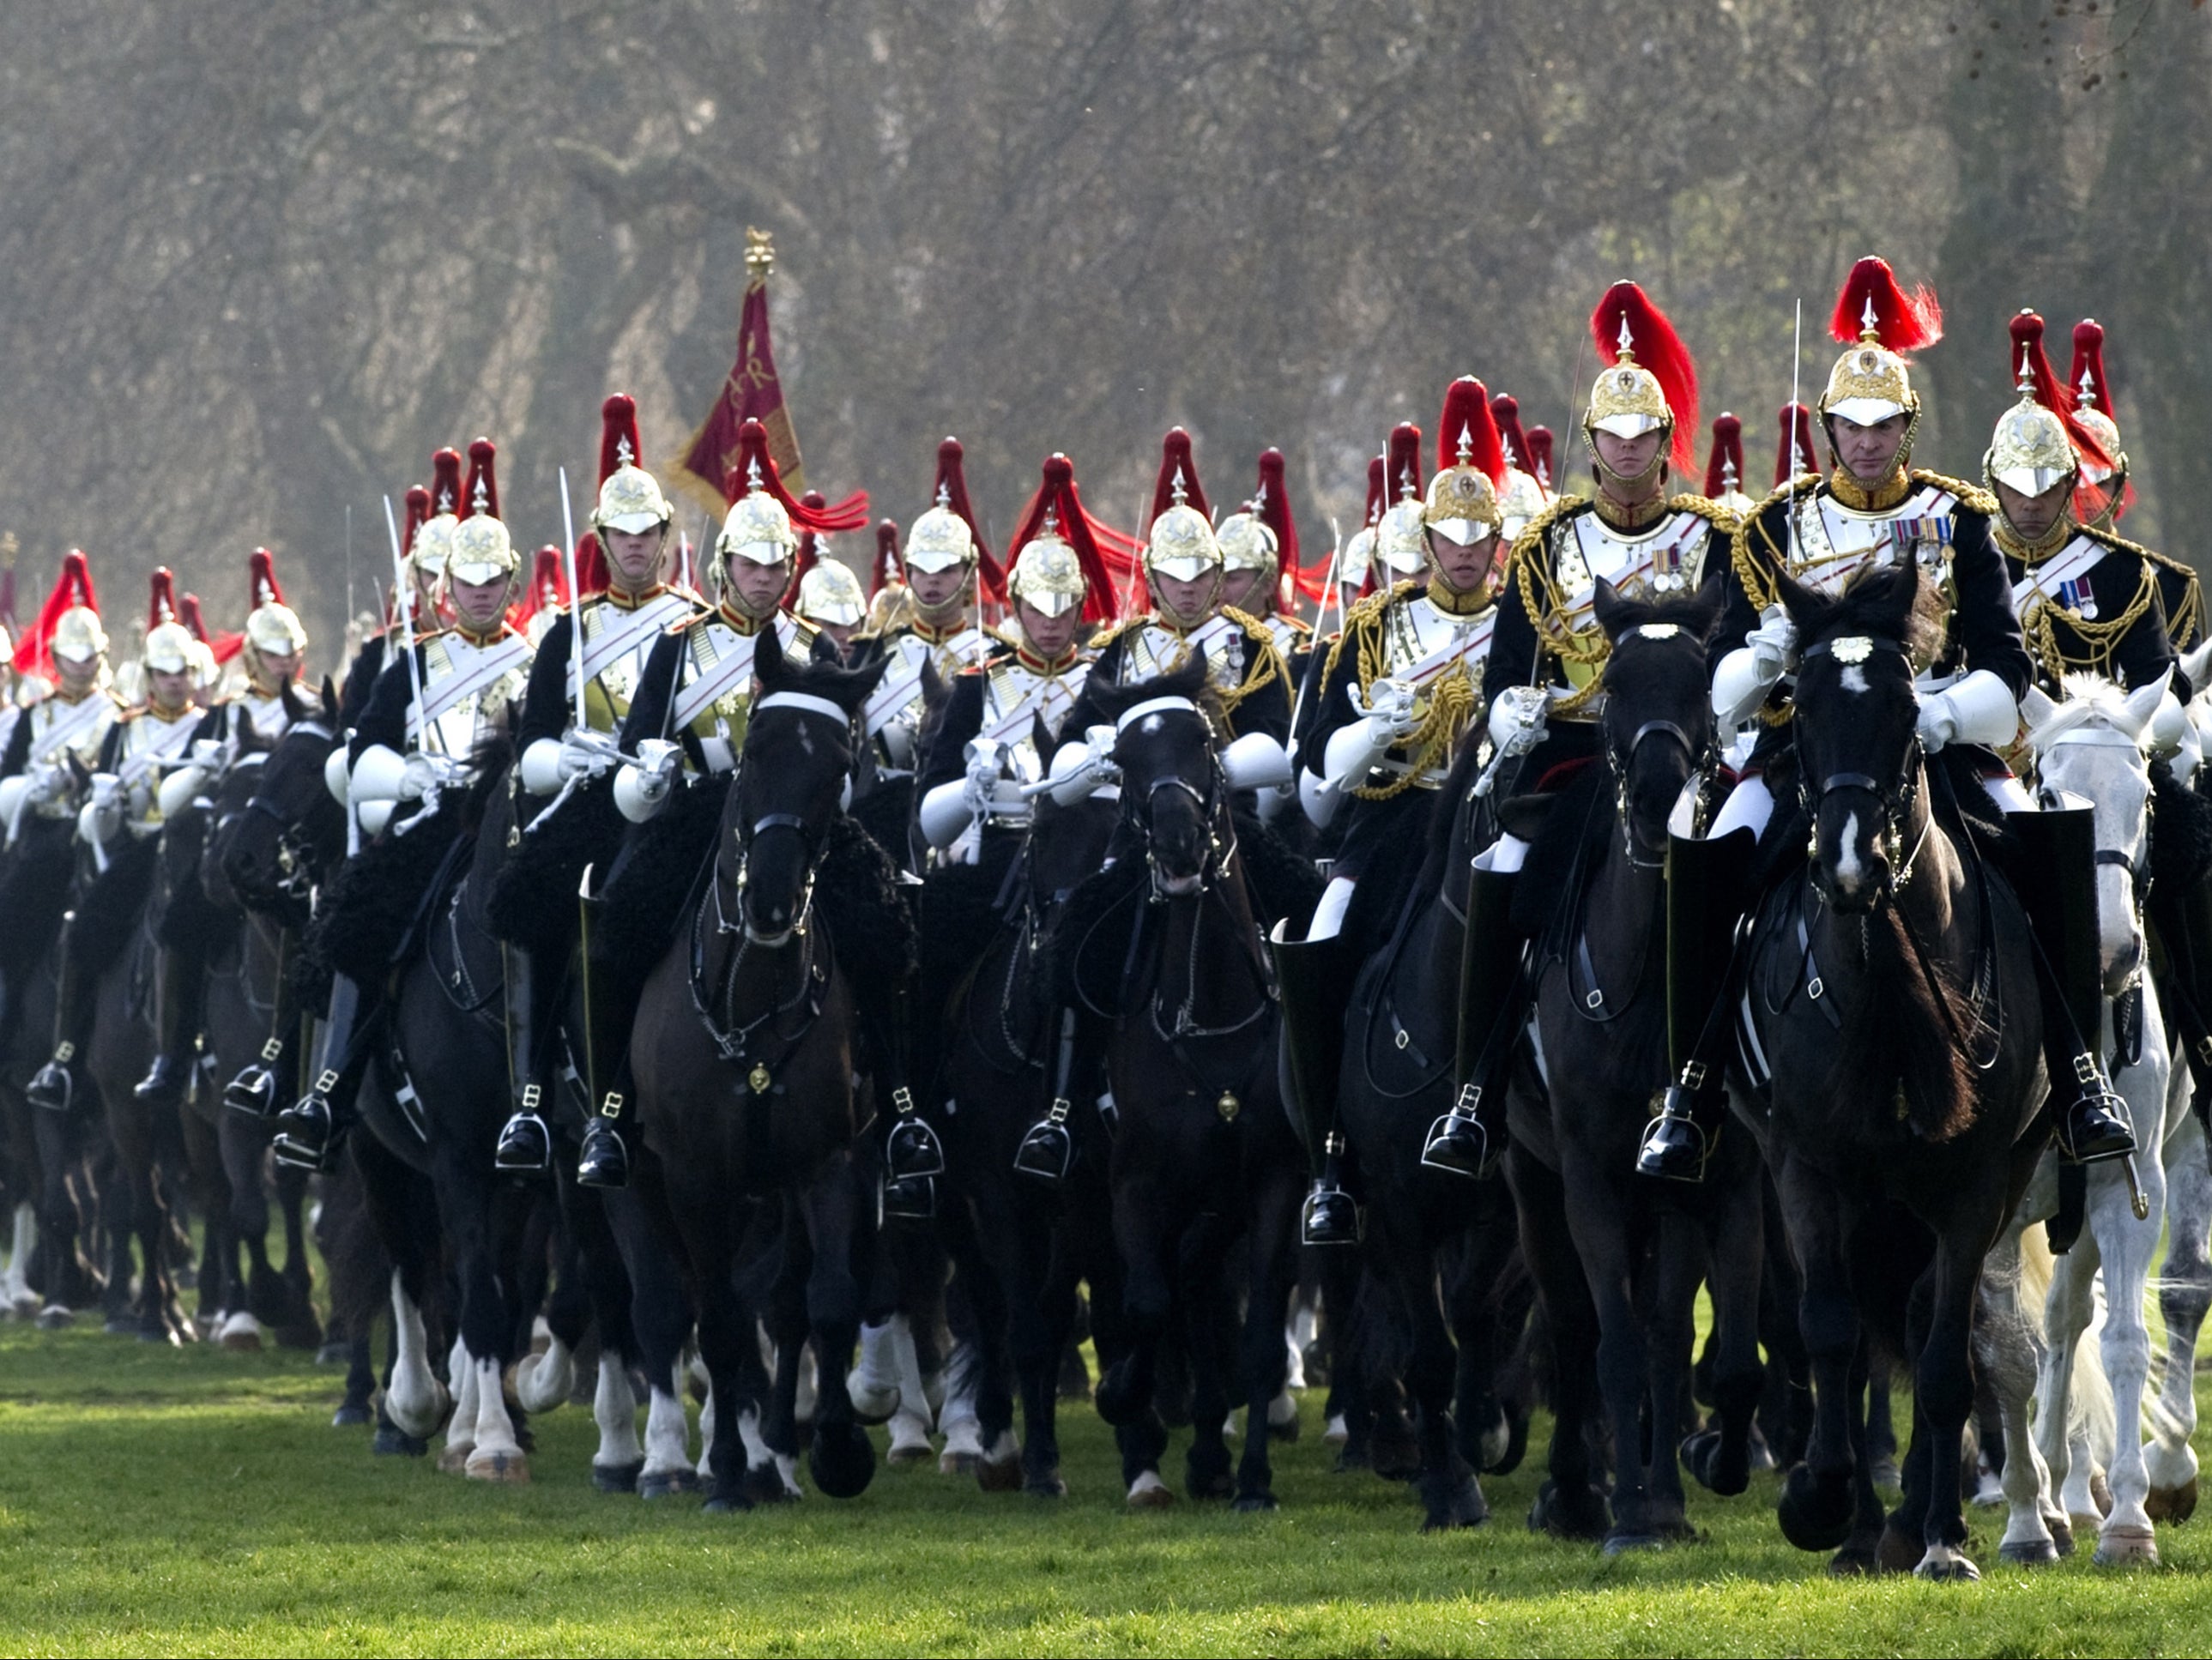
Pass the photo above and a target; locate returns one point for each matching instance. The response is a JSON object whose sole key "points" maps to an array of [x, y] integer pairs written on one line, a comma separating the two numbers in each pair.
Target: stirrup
{"points": [[912, 1150], [254, 1092], [1458, 1142], [305, 1132], [604, 1159], [54, 1086], [1048, 1151], [2096, 1125], [1330, 1216], [525, 1146], [1676, 1145], [913, 1198]]}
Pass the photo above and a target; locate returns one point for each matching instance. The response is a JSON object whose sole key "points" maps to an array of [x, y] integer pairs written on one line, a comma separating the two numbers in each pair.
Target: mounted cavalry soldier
{"points": [[684, 730], [1526, 496], [625, 605], [1260, 564], [1186, 574], [1872, 509], [1400, 688], [117, 826], [411, 748], [2104, 495]]}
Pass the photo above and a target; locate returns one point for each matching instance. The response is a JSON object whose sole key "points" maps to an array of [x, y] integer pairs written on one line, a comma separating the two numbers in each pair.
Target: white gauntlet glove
{"points": [[587, 755], [1517, 720], [421, 773], [1977, 709], [643, 787]]}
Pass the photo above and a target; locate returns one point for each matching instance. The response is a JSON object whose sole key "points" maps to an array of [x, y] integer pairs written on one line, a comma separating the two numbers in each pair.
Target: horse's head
{"points": [[1657, 723], [2089, 752], [792, 781], [227, 798], [1165, 733], [1857, 725], [273, 852]]}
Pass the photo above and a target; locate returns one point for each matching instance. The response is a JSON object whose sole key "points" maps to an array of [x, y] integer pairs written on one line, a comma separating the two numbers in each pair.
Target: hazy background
{"points": [[257, 260]]}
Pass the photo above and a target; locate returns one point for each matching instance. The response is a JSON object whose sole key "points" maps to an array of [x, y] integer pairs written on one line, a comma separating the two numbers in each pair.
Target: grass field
{"points": [[197, 1502]]}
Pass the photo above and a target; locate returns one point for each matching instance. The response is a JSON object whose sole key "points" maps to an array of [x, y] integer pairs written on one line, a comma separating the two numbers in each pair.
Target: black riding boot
{"points": [[1469, 1140], [1314, 978], [2057, 882], [525, 1144], [54, 1086], [183, 982], [309, 1131], [1706, 894], [259, 1087], [1047, 1151], [603, 1158]]}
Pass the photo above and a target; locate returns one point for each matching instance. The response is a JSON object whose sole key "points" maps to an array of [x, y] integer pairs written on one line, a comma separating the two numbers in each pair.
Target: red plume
{"points": [[1177, 462], [261, 580], [547, 590], [2029, 358], [952, 486], [33, 653], [753, 456], [1540, 455], [1795, 454], [809, 553], [224, 646], [418, 513], [2090, 387], [445, 481], [1403, 477], [1902, 322], [1108, 557], [1655, 345], [618, 443], [1505, 409], [162, 607], [1724, 466], [482, 494], [886, 568], [1271, 506], [1467, 420], [1378, 490]]}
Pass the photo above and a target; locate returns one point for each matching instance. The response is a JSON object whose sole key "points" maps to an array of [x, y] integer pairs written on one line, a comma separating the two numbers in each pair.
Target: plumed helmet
{"points": [[271, 625], [1181, 542], [1725, 465], [1878, 322], [1047, 573], [433, 544], [1652, 385], [1246, 542], [830, 593], [944, 535], [2037, 442], [482, 551], [757, 529], [1525, 495], [630, 498], [170, 648], [1401, 542], [1464, 499], [2092, 401], [77, 635]]}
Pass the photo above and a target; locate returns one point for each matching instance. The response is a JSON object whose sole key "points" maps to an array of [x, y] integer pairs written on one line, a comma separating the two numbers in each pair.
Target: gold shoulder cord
{"points": [[2101, 639], [1970, 495], [1451, 697], [2185, 624], [1546, 606], [1744, 561], [1263, 665]]}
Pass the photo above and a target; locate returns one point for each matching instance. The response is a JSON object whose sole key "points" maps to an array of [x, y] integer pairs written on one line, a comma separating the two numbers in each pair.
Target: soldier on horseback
{"points": [[829, 601], [1260, 564], [410, 746], [125, 798], [1400, 688], [1873, 509]]}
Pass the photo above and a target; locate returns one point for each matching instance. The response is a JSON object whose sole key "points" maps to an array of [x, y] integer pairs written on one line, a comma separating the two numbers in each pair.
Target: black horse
{"points": [[1890, 1068], [1620, 1257], [746, 1050], [1164, 943]]}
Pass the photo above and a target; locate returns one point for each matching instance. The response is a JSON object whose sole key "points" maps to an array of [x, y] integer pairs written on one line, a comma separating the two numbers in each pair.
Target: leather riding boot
{"points": [[259, 1087], [309, 1130], [54, 1085], [1314, 979], [1469, 1140], [525, 1144], [911, 1149], [1046, 1150], [182, 983], [1706, 889], [2055, 871]]}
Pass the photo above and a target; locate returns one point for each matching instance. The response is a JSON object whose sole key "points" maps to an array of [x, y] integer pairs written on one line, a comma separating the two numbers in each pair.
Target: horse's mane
{"points": [[1107, 704], [2090, 700]]}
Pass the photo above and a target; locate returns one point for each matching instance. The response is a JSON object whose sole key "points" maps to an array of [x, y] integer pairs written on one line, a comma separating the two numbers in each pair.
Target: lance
{"points": [[575, 599], [405, 592]]}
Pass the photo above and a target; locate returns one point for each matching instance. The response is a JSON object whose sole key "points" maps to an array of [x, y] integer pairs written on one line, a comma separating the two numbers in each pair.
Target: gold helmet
{"points": [[1059, 565], [169, 647], [1652, 384], [1878, 322], [630, 498], [482, 551], [2037, 444], [1046, 572], [944, 535], [433, 544], [1246, 542], [830, 593], [271, 625], [1401, 534], [1181, 543], [1463, 503], [757, 528]]}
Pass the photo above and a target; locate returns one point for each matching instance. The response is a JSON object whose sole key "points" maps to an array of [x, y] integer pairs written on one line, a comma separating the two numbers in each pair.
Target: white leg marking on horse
{"points": [[667, 1431], [873, 1382], [239, 1330], [1148, 1491], [809, 1387], [497, 1456], [963, 1432], [542, 1382], [415, 1399], [757, 1457], [613, 1409], [1282, 1410], [15, 1288], [461, 1427], [1336, 1431], [706, 1436]]}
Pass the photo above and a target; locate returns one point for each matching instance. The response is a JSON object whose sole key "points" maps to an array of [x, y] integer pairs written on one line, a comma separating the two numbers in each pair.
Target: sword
{"points": [[575, 599], [1320, 623], [405, 592], [1796, 363]]}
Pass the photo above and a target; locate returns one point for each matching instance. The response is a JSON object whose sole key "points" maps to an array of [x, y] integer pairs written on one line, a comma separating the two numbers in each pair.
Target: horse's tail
{"points": [[2091, 1412]]}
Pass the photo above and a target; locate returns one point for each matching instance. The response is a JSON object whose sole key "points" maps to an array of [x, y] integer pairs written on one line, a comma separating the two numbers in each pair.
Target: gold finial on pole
{"points": [[759, 256]]}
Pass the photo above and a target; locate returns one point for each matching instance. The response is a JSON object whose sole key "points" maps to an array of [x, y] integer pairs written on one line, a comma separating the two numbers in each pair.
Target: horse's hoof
{"points": [[1815, 1514], [842, 1460], [2029, 1553], [453, 1458], [1335, 1433], [1251, 1503], [55, 1316], [350, 1416], [392, 1442], [908, 1453], [1148, 1491], [1855, 1561], [762, 1484], [726, 1503], [662, 1484], [1620, 1544], [1049, 1486], [2173, 1503], [616, 1478], [1000, 1474], [119, 1325], [513, 1467], [1568, 1516], [2126, 1546], [1946, 1566], [1707, 1457], [1463, 1507]]}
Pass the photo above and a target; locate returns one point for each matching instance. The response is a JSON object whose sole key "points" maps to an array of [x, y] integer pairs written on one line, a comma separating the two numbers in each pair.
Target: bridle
{"points": [[1212, 801], [1896, 801], [299, 866], [1621, 757], [750, 831]]}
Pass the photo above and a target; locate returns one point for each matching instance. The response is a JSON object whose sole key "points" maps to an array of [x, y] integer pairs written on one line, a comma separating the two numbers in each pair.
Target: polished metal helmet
{"points": [[169, 647], [481, 549], [1046, 572], [1246, 542], [757, 529], [939, 539], [830, 593]]}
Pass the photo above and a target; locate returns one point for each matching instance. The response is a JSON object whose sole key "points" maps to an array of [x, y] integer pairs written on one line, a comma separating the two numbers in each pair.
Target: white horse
{"points": [[2091, 750]]}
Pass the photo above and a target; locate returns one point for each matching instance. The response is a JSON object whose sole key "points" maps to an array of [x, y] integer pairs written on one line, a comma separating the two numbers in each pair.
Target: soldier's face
{"points": [[478, 604], [1628, 457], [171, 687], [1463, 569], [757, 588], [1248, 591], [2033, 516], [1187, 602], [1867, 452], [633, 556], [938, 590], [277, 667], [840, 635], [1050, 637], [76, 677]]}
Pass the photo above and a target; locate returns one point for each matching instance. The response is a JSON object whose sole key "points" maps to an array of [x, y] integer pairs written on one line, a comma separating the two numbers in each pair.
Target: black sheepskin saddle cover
{"points": [[1281, 881], [362, 918], [959, 916], [533, 896], [112, 905], [35, 890], [856, 892], [1098, 941]]}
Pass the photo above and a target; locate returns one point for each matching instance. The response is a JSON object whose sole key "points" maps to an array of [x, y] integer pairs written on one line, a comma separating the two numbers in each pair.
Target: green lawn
{"points": [[197, 1502]]}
